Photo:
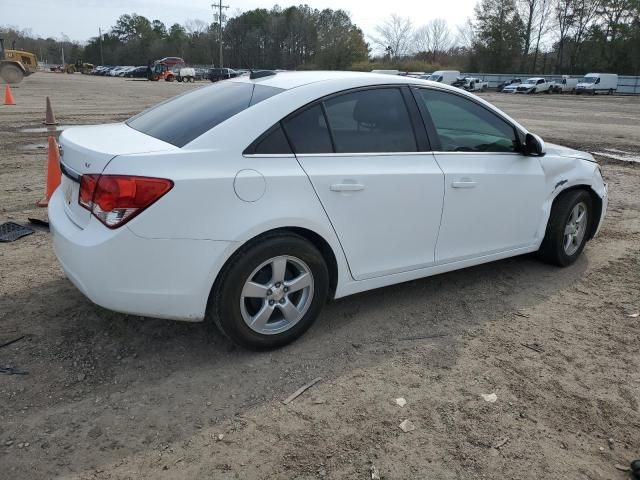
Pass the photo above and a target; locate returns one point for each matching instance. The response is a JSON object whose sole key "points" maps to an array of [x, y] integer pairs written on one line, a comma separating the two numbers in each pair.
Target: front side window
{"points": [[182, 119], [464, 126], [370, 121]]}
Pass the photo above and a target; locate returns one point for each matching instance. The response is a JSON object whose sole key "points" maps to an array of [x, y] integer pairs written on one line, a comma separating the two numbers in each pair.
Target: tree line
{"points": [[294, 37], [527, 36]]}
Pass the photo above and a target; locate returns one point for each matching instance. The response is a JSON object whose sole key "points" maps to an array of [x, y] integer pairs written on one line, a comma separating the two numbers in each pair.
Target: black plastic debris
{"points": [[38, 222], [12, 371], [11, 231], [10, 342]]}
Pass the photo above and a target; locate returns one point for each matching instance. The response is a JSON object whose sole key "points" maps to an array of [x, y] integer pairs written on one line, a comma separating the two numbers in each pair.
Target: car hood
{"points": [[560, 151], [528, 85]]}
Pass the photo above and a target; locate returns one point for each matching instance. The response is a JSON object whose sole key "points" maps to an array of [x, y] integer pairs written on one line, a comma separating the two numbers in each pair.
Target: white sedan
{"points": [[253, 201]]}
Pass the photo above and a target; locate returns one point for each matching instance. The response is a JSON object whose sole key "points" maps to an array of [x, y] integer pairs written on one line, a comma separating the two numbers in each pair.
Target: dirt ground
{"points": [[110, 396]]}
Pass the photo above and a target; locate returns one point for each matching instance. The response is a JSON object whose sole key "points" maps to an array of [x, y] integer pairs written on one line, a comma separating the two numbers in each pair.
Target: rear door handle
{"points": [[346, 187], [463, 184]]}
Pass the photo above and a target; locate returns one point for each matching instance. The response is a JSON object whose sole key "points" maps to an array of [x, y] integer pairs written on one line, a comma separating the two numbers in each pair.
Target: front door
{"points": [[493, 194], [382, 196]]}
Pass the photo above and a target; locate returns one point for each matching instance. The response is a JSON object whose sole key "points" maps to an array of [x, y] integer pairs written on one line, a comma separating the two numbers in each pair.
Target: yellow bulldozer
{"points": [[79, 66], [16, 64]]}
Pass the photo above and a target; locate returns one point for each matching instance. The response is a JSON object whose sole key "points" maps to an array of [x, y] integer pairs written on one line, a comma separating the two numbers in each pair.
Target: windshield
{"points": [[531, 80], [435, 78], [184, 118], [589, 79]]}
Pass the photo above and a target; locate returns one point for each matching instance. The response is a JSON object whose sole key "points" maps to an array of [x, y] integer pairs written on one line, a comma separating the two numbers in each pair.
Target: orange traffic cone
{"points": [[53, 172], [8, 96], [50, 118]]}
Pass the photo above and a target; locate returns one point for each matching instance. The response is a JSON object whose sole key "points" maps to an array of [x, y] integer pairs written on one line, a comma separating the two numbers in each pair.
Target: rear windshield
{"points": [[184, 118]]}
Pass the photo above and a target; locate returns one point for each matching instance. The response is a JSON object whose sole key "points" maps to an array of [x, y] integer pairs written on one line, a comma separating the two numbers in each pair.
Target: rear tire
{"points": [[260, 305], [567, 232], [11, 74]]}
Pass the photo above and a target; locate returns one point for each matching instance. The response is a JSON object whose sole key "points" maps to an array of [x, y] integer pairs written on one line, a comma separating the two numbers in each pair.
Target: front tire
{"points": [[271, 292], [11, 73], [568, 228]]}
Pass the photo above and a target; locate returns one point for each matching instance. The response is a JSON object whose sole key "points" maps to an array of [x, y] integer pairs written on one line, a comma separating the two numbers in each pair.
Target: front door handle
{"points": [[464, 184], [346, 187]]}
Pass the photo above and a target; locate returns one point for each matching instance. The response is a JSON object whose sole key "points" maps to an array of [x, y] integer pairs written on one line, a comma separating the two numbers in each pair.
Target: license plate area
{"points": [[70, 186]]}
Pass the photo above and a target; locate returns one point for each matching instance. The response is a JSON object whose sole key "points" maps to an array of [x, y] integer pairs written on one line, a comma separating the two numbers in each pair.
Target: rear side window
{"points": [[184, 118], [370, 121], [272, 142], [308, 131]]}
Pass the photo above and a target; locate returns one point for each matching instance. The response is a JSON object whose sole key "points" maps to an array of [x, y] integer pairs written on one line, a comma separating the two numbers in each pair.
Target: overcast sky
{"points": [[80, 19]]}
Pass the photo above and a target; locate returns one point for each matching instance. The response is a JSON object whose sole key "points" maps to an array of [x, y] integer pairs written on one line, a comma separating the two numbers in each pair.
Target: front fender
{"points": [[563, 173]]}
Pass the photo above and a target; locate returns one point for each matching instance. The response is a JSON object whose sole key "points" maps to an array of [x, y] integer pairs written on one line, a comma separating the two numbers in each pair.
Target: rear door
{"points": [[493, 194], [369, 164]]}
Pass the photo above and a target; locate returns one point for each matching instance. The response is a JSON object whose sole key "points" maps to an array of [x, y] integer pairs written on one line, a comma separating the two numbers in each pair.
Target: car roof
{"points": [[289, 80]]}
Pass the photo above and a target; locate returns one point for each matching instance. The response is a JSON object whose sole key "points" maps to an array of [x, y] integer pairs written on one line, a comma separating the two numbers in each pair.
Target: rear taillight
{"points": [[116, 199]]}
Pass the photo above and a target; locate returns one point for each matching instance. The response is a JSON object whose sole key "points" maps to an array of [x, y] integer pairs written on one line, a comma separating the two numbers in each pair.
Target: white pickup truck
{"points": [[534, 85], [565, 85], [475, 85]]}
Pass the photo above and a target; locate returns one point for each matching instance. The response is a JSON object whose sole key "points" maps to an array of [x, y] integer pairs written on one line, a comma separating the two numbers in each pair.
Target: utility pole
{"points": [[101, 54], [220, 19]]}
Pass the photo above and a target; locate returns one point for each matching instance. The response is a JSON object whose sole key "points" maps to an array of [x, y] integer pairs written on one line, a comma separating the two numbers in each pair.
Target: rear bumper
{"points": [[118, 270]]}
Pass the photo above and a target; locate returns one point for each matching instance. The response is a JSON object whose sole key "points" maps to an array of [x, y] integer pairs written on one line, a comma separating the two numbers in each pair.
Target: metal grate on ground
{"points": [[11, 231]]}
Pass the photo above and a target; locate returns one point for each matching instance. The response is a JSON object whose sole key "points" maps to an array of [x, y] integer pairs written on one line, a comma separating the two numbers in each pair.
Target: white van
{"points": [[444, 76], [566, 84], [598, 83], [387, 72]]}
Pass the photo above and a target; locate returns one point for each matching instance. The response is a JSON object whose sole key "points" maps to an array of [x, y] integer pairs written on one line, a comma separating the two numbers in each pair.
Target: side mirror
{"points": [[534, 145]]}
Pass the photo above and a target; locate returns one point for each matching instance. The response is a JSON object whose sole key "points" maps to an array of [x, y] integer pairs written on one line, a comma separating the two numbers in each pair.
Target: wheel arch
{"points": [[15, 63], [314, 238], [597, 205]]}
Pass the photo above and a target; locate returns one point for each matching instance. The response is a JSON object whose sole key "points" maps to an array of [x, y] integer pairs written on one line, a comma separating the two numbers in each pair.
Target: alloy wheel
{"points": [[276, 295], [575, 228]]}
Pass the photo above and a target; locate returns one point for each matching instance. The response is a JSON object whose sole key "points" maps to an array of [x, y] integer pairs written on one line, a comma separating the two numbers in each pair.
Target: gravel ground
{"points": [[111, 396]]}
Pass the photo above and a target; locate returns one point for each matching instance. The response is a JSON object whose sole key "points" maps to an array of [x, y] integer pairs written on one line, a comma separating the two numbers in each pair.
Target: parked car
{"points": [[564, 85], [444, 76], [533, 85], [472, 84], [594, 83], [252, 202], [509, 86], [137, 72], [201, 73], [217, 74]]}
